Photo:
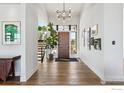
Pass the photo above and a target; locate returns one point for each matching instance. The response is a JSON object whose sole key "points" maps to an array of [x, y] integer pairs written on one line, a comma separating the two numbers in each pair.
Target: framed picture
{"points": [[83, 35], [11, 32], [94, 30], [97, 44], [92, 41], [87, 37]]}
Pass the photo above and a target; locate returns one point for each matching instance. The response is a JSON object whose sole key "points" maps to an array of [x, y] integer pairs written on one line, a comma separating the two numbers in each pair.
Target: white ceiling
{"points": [[52, 7]]}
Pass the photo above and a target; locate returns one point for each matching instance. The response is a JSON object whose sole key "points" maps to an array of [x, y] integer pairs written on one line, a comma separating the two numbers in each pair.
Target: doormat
{"points": [[66, 60]]}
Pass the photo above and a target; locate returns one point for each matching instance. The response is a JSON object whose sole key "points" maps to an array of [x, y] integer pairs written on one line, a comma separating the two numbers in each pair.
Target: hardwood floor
{"points": [[61, 73], [11, 81]]}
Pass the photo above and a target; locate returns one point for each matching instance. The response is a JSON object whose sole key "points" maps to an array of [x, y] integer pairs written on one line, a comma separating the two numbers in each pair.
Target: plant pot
{"points": [[50, 56]]}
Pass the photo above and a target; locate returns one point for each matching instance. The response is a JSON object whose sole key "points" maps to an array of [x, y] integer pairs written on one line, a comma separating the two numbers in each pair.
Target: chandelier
{"points": [[63, 14]]}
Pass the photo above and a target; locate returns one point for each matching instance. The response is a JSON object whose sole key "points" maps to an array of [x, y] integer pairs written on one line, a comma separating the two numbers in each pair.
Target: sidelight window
{"points": [[73, 42]]}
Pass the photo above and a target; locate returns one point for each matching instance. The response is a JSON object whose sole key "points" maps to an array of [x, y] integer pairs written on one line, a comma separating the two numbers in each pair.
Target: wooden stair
{"points": [[41, 50]]}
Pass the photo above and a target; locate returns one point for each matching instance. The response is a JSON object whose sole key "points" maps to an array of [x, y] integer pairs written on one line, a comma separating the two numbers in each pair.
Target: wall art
{"points": [[97, 44], [83, 35], [94, 30], [11, 32], [87, 37]]}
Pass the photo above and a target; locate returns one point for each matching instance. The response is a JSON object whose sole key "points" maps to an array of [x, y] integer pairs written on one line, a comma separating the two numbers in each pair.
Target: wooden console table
{"points": [[7, 66]]}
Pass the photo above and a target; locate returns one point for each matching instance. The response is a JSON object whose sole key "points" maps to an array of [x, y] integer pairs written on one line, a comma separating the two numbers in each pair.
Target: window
{"points": [[65, 27], [73, 27], [73, 42]]}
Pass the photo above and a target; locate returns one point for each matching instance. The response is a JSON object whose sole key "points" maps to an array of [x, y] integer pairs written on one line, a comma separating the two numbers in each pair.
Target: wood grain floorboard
{"points": [[63, 73], [60, 73]]}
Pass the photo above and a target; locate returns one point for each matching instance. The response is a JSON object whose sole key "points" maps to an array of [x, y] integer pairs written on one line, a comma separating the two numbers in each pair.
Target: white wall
{"points": [[42, 13], [123, 32], [32, 15], [31, 40], [91, 15], [13, 12], [113, 31], [107, 63]]}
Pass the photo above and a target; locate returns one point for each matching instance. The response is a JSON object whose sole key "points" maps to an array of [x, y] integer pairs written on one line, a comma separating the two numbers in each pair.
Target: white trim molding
{"points": [[114, 78]]}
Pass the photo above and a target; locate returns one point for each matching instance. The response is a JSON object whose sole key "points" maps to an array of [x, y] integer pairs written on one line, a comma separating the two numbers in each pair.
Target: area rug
{"points": [[66, 60]]}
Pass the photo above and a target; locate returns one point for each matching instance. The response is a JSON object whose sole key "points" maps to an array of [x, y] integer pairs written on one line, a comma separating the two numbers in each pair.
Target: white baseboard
{"points": [[31, 73], [114, 78], [24, 79]]}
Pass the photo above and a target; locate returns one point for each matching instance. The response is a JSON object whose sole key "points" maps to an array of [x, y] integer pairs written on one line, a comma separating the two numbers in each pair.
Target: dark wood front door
{"points": [[63, 45]]}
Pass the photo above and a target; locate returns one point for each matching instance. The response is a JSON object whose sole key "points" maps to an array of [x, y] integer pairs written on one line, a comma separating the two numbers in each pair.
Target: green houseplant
{"points": [[51, 39]]}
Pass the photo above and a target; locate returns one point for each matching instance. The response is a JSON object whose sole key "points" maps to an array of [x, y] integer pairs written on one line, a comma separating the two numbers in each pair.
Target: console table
{"points": [[7, 66]]}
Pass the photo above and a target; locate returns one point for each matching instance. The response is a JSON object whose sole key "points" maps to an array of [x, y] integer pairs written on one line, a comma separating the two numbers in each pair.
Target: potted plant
{"points": [[51, 38]]}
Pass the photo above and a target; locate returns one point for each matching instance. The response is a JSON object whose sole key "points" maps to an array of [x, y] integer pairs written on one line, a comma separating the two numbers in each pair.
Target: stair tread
{"points": [[41, 50]]}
